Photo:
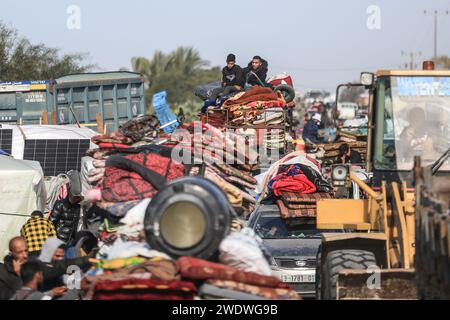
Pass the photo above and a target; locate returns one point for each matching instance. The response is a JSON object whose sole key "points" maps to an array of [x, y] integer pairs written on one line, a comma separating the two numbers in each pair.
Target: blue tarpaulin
{"points": [[163, 111]]}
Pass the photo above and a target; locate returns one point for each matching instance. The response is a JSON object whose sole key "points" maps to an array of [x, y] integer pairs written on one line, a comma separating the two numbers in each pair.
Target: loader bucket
{"points": [[389, 284]]}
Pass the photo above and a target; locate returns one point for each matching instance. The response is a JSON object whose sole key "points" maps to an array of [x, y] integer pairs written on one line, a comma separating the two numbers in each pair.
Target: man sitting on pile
{"points": [[256, 72], [232, 78]]}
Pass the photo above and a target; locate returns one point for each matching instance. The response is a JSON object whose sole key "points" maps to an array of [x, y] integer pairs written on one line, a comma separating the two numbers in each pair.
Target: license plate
{"points": [[298, 278]]}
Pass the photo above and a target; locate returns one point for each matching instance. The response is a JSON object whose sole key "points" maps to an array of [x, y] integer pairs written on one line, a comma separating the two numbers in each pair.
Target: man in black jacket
{"points": [[256, 72], [10, 280], [232, 78], [66, 213]]}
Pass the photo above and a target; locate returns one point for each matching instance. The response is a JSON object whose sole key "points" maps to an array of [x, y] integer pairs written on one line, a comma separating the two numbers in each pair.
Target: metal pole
{"points": [[436, 15], [435, 33]]}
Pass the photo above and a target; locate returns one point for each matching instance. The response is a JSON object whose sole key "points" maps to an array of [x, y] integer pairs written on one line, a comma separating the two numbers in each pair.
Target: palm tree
{"points": [[442, 62], [178, 73], [186, 60]]}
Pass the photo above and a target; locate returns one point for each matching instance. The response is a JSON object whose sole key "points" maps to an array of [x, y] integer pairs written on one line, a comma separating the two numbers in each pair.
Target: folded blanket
{"points": [[234, 194], [88, 283], [240, 182], [114, 137], [231, 171], [257, 93], [269, 293], [292, 197], [197, 269], [143, 289], [288, 213]]}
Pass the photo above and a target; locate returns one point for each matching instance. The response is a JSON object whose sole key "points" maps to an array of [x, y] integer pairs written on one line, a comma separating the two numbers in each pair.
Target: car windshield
{"points": [[413, 119], [277, 228]]}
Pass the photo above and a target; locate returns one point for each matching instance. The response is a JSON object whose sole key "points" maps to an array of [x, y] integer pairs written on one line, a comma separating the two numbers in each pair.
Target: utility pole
{"points": [[412, 58], [436, 14]]}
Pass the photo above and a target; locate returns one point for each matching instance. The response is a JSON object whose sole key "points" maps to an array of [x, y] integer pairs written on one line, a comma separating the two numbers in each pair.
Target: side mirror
{"points": [[367, 79]]}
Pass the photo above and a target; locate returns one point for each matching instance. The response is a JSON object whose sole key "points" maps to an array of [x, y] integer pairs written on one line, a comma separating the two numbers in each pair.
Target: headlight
{"points": [[367, 78], [339, 174]]}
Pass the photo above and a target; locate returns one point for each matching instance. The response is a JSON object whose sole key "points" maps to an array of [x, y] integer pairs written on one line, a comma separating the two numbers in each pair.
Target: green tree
{"points": [[22, 60], [442, 62], [178, 72]]}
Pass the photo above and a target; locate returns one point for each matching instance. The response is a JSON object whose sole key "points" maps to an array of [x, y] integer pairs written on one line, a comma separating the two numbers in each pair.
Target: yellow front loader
{"points": [[372, 253]]}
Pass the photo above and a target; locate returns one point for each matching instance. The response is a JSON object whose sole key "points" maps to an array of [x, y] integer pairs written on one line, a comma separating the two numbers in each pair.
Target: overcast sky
{"points": [[321, 43]]}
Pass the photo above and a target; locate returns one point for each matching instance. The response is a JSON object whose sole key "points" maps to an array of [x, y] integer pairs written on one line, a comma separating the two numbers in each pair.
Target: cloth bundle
{"points": [[243, 250], [138, 176], [143, 127], [236, 282], [197, 269], [292, 180]]}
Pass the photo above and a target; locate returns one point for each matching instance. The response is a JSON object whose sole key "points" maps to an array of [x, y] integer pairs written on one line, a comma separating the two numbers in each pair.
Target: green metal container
{"points": [[116, 96], [24, 101]]}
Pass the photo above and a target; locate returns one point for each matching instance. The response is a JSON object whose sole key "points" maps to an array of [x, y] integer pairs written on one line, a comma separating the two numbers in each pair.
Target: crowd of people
{"points": [[40, 257]]}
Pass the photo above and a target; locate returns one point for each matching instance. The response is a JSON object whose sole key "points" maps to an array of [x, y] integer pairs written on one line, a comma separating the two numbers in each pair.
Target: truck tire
{"points": [[287, 91], [337, 260]]}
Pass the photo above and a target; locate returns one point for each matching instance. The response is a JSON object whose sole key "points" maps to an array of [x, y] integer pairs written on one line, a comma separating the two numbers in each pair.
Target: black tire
{"points": [[337, 260], [287, 91]]}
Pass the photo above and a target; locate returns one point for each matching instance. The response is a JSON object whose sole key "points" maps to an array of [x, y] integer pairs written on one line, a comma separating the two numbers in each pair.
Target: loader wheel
{"points": [[336, 261]]}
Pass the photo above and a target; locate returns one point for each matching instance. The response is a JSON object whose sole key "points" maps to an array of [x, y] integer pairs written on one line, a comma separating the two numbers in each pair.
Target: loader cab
{"points": [[410, 116]]}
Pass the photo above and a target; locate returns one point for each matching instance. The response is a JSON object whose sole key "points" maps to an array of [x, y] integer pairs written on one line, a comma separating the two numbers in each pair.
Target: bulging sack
{"points": [[243, 251]]}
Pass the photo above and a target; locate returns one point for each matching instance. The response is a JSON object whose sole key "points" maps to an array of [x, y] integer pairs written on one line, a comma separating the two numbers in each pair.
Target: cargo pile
{"points": [[259, 112], [126, 173], [295, 183], [328, 154]]}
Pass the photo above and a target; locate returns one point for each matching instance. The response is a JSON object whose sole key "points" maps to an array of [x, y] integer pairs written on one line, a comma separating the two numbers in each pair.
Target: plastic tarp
{"points": [[163, 112], [22, 190], [205, 91], [44, 132]]}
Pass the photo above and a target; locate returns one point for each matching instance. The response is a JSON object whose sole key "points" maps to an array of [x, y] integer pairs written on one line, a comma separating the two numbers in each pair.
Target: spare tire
{"points": [[287, 91], [188, 217]]}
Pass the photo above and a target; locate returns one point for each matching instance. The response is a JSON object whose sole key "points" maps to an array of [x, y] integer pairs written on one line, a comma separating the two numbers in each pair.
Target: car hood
{"points": [[292, 247]]}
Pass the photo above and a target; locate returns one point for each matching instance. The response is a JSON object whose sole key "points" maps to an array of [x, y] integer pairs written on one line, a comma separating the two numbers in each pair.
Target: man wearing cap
{"points": [[311, 129], [232, 78], [65, 215]]}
